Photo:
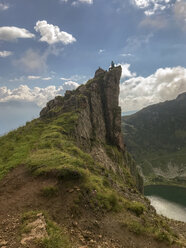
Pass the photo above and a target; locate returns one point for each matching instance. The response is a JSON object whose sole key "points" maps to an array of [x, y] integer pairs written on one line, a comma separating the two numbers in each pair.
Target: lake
{"points": [[169, 201]]}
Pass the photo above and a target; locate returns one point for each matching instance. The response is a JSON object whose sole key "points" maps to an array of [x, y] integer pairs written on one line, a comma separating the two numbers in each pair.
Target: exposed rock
{"points": [[3, 243], [97, 103], [99, 72], [37, 230]]}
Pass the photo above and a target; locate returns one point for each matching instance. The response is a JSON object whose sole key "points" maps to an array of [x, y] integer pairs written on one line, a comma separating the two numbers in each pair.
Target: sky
{"points": [[49, 46]]}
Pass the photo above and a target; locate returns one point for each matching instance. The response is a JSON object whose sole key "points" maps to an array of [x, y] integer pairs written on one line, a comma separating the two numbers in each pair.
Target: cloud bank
{"points": [[165, 84], [37, 95]]}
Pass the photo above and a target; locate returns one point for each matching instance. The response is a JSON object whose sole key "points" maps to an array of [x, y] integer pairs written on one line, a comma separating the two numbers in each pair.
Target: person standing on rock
{"points": [[112, 65]]}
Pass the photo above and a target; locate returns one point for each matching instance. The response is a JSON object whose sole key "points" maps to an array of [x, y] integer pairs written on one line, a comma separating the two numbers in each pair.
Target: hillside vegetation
{"points": [[156, 136]]}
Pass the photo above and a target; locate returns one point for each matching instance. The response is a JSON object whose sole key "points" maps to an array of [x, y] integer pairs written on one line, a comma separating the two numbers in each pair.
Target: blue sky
{"points": [[48, 46]]}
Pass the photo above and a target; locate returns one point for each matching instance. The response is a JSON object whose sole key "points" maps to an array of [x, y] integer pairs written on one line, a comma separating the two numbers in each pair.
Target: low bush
{"points": [[162, 235], [136, 207], [135, 227]]}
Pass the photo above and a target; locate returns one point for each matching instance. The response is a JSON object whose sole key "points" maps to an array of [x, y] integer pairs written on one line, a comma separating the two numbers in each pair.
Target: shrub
{"points": [[71, 173], [135, 227], [163, 236], [136, 207]]}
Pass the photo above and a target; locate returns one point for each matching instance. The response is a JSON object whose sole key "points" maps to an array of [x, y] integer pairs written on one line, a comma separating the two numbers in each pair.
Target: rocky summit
{"points": [[97, 107], [67, 180]]}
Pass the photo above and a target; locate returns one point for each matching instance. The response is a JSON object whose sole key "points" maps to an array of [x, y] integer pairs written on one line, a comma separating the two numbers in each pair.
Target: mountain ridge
{"points": [[68, 177], [156, 137]]}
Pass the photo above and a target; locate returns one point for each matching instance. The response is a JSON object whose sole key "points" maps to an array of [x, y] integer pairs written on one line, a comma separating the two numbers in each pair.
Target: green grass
{"points": [[136, 207], [57, 238], [162, 235], [47, 148], [42, 145], [156, 228], [136, 227]]}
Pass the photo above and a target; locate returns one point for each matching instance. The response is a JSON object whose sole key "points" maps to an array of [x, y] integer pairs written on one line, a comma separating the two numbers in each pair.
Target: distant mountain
{"points": [[156, 136]]}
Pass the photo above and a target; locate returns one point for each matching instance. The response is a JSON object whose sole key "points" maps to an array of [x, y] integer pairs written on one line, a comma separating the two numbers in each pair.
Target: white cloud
{"points": [[52, 34], [101, 51], [4, 6], [23, 93], [46, 78], [33, 77], [74, 78], [126, 73], [142, 3], [164, 84], [86, 1], [180, 12], [150, 7], [65, 79], [37, 95], [70, 85], [77, 2], [13, 33], [5, 53], [82, 1], [126, 55]]}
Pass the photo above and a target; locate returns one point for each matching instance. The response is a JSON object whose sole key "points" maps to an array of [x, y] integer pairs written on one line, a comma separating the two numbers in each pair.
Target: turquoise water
{"points": [[169, 201]]}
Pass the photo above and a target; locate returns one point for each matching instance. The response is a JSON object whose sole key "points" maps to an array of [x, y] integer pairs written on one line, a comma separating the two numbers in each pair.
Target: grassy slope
{"points": [[47, 147], [156, 135], [37, 141]]}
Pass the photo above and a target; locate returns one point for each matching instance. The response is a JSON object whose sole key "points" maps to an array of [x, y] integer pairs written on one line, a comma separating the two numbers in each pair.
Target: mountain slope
{"points": [[67, 180], [156, 136]]}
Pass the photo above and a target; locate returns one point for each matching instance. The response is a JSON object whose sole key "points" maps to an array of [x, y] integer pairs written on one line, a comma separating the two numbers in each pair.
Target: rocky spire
{"points": [[97, 106]]}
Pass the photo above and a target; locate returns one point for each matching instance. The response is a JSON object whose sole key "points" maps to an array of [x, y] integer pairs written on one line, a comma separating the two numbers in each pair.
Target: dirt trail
{"points": [[20, 192]]}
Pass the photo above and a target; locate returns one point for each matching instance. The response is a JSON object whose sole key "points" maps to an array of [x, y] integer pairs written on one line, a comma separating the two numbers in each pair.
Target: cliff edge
{"points": [[99, 116], [97, 104]]}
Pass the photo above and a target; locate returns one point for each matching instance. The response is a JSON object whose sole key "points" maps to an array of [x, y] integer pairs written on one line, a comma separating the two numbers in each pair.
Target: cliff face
{"points": [[97, 104], [99, 116]]}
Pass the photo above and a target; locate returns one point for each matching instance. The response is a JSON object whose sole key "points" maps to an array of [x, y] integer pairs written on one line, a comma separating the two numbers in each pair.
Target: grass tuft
{"points": [[49, 191]]}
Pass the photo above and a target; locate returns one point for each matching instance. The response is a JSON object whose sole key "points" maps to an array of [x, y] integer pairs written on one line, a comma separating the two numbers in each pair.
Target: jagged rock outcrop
{"points": [[97, 104], [99, 114]]}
